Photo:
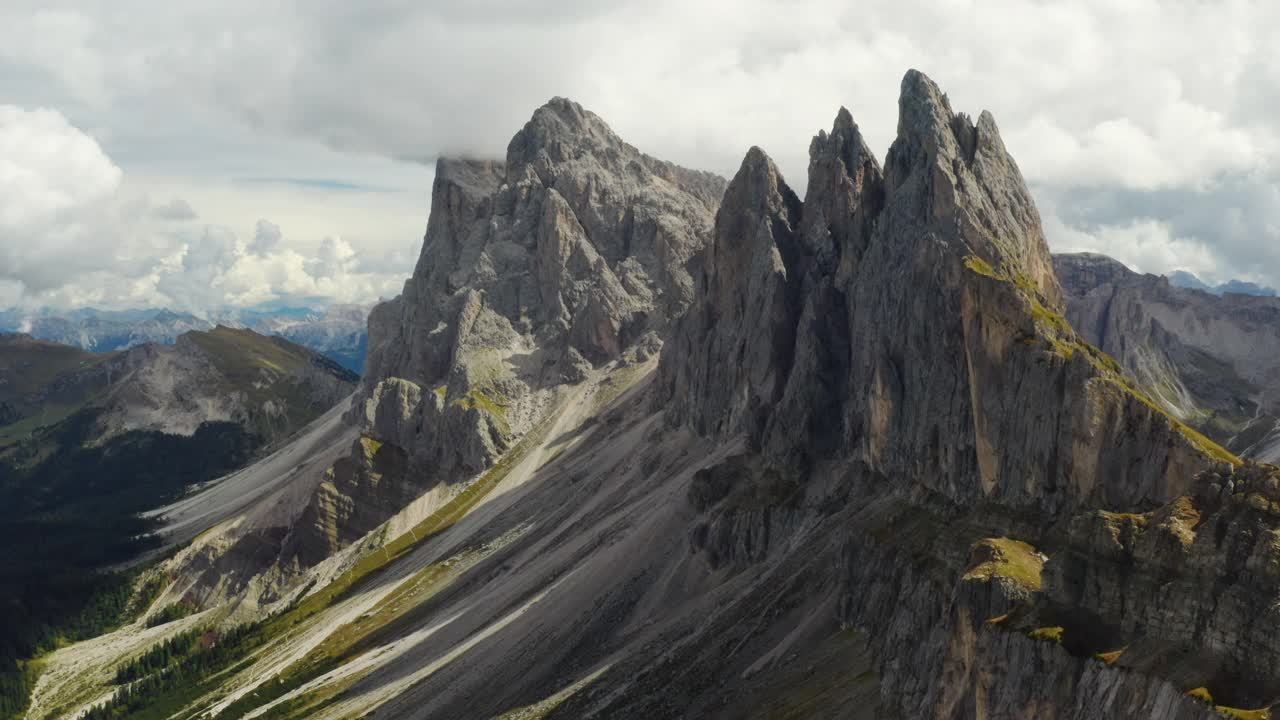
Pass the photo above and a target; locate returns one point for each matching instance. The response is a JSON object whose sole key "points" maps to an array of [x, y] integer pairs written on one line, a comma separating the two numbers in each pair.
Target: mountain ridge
{"points": [[630, 447], [1182, 278], [204, 376]]}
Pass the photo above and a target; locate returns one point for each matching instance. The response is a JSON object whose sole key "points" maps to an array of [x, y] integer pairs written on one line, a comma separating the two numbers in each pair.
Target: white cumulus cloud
{"points": [[70, 237], [1162, 103]]}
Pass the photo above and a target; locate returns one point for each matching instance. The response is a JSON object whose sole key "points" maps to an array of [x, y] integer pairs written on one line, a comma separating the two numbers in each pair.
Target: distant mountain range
{"points": [[339, 332], [269, 386], [1211, 359], [1184, 279]]}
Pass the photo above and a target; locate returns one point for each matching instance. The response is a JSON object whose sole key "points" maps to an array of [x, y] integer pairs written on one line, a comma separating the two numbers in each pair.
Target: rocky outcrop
{"points": [[1210, 360], [1190, 586], [355, 495]]}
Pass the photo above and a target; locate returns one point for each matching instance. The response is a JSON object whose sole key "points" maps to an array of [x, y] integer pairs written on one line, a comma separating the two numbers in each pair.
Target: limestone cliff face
{"points": [[533, 271], [741, 337], [911, 320], [768, 337], [1212, 361]]}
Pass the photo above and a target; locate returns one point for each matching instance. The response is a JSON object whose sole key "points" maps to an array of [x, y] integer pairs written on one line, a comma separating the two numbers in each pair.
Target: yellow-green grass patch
{"points": [[1007, 558]]}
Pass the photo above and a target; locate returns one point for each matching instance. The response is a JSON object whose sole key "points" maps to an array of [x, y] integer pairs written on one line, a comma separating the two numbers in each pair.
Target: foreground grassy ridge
{"points": [[348, 642], [439, 521], [204, 674], [338, 648], [311, 702], [1063, 340], [203, 671]]}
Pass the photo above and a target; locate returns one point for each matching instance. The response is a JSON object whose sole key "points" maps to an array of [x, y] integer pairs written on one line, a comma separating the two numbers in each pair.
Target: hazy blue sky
{"points": [[197, 154]]}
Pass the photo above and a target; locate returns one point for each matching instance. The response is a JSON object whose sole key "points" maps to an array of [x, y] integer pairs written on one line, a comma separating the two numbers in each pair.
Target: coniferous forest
{"points": [[67, 518]]}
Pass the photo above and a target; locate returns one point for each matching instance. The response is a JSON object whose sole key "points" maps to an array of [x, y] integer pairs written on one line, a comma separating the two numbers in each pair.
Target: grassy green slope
{"points": [[29, 366], [242, 355], [42, 383], [269, 369]]}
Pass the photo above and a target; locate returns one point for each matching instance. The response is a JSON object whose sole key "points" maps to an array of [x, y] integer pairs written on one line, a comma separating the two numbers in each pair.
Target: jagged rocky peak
{"points": [[767, 283], [749, 291], [561, 132], [534, 271], [845, 193], [934, 348], [577, 239], [892, 459], [564, 140], [459, 192], [965, 178]]}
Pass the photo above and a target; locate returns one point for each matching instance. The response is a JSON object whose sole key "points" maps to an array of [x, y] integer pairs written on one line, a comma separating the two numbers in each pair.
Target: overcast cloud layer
{"points": [[201, 154]]}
